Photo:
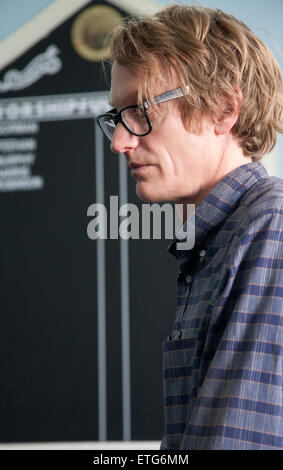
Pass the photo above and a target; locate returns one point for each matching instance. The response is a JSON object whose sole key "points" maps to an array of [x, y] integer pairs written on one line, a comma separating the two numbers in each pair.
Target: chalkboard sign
{"points": [[82, 320]]}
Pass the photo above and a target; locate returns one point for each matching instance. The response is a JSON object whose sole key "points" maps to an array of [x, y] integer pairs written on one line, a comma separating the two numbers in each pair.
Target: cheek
{"points": [[176, 152], [174, 162]]}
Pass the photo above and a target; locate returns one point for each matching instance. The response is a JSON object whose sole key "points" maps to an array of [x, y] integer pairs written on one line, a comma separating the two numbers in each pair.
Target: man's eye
{"points": [[136, 113]]}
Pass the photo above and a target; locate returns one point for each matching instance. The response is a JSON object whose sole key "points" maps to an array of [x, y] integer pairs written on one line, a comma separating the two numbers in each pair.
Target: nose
{"points": [[123, 140]]}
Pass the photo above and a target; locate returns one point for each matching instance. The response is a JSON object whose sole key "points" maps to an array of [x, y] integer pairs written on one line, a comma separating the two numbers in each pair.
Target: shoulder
{"points": [[266, 195], [258, 220], [263, 202]]}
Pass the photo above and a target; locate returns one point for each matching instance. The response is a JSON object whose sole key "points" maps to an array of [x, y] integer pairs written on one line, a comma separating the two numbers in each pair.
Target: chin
{"points": [[147, 194]]}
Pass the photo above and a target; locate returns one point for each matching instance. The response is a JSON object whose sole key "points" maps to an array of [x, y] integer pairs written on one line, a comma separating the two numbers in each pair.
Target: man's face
{"points": [[170, 163]]}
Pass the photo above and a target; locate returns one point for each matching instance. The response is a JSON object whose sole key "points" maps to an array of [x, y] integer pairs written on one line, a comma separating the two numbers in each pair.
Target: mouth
{"points": [[138, 169], [134, 166]]}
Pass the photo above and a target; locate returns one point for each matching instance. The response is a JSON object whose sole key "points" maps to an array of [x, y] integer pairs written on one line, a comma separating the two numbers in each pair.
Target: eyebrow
{"points": [[130, 98]]}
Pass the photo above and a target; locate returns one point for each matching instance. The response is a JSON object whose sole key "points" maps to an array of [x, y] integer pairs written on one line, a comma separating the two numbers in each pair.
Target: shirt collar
{"points": [[218, 204]]}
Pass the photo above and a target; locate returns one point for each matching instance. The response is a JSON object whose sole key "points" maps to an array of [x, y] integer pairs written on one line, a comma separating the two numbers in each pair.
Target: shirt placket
{"points": [[185, 279]]}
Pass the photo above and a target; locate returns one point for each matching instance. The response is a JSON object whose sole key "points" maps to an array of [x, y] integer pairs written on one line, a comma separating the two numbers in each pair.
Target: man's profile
{"points": [[196, 102]]}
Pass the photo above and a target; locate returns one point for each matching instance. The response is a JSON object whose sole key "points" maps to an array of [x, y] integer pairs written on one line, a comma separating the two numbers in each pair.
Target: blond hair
{"points": [[219, 57]]}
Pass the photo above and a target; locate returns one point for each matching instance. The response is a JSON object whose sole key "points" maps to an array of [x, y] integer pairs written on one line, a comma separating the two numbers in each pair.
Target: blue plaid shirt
{"points": [[222, 364]]}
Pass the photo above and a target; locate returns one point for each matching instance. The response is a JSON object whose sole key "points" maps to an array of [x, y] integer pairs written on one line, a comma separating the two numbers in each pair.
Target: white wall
{"points": [[15, 13]]}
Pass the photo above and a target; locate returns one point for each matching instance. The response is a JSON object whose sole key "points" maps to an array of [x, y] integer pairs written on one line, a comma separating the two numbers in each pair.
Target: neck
{"points": [[232, 157]]}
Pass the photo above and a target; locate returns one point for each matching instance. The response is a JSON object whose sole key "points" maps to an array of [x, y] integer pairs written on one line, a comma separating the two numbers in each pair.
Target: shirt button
{"points": [[178, 334], [189, 278], [202, 253]]}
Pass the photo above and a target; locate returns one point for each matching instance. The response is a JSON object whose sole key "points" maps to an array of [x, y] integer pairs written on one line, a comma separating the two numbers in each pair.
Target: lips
{"points": [[137, 165]]}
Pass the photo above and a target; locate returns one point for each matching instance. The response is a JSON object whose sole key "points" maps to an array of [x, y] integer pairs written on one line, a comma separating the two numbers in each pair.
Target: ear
{"points": [[224, 124]]}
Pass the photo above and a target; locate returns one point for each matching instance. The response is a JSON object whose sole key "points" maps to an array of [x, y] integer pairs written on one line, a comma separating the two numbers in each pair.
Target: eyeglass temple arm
{"points": [[168, 95]]}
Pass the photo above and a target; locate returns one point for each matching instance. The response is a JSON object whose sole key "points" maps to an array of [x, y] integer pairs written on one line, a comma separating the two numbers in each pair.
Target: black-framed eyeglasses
{"points": [[135, 118]]}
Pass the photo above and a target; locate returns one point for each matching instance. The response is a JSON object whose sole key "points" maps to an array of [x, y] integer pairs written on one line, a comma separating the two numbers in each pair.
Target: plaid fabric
{"points": [[222, 365]]}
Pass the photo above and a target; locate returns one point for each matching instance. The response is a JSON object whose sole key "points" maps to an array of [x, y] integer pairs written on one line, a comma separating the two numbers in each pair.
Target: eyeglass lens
{"points": [[108, 126], [133, 118]]}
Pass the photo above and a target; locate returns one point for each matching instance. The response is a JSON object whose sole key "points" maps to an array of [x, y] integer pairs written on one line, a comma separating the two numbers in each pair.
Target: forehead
{"points": [[124, 86]]}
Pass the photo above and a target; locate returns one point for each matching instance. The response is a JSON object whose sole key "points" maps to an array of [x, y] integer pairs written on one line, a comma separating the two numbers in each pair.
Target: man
{"points": [[197, 101]]}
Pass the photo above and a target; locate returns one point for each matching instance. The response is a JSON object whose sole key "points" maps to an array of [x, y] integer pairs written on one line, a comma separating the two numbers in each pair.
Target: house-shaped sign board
{"points": [[82, 319]]}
